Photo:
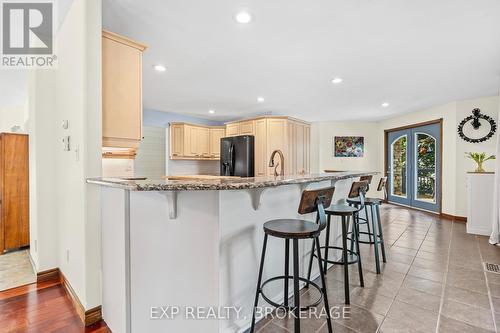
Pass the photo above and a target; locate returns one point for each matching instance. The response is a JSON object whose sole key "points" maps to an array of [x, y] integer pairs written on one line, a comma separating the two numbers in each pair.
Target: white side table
{"points": [[480, 202]]}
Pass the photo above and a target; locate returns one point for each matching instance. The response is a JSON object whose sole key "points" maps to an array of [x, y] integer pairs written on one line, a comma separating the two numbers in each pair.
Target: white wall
{"points": [[117, 167], [488, 106], [13, 99], [14, 116], [150, 159], [42, 173], [66, 209], [322, 137]]}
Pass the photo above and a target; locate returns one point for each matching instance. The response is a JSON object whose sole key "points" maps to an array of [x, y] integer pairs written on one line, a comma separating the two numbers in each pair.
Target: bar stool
{"points": [[377, 236], [294, 229], [364, 220], [358, 189]]}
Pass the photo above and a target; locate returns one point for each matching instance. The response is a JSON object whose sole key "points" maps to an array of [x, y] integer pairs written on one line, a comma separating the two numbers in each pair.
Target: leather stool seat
{"points": [[291, 228]]}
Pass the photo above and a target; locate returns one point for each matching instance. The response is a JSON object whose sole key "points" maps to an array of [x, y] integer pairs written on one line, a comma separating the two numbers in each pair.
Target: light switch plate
{"points": [[66, 145]]}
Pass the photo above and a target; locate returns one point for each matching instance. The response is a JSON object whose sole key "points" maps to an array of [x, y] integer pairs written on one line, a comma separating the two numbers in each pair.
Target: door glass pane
{"points": [[425, 167], [398, 167]]}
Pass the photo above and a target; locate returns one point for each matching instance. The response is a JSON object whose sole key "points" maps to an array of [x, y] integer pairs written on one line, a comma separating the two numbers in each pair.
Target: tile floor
{"points": [[15, 270], [433, 281]]}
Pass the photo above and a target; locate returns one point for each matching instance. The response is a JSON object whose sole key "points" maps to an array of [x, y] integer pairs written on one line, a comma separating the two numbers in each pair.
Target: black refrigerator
{"points": [[237, 156]]}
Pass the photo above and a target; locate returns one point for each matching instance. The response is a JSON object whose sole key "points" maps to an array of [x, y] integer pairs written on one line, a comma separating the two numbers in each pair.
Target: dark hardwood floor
{"points": [[41, 307]]}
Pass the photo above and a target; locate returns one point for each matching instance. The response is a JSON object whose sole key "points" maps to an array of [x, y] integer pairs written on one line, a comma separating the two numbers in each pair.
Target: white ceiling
{"points": [[412, 54]]}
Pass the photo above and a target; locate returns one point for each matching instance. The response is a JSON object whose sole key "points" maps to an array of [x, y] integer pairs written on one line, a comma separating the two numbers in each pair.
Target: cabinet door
{"points": [[121, 93], [299, 148], [247, 128], [307, 148], [277, 140], [203, 144], [176, 140], [260, 147], [15, 191], [215, 135], [232, 129], [190, 142]]}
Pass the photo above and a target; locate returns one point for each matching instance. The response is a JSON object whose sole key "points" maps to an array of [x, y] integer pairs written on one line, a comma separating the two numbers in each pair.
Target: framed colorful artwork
{"points": [[349, 146]]}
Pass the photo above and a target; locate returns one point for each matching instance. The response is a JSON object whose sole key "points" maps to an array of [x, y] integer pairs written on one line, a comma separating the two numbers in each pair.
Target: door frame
{"points": [[430, 122]]}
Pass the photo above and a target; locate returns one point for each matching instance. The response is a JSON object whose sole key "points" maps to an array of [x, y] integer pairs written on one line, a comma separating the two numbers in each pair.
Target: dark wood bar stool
{"points": [[358, 189], [377, 236], [294, 229]]}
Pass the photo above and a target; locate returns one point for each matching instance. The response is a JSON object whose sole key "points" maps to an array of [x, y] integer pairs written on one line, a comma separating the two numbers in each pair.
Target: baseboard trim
{"points": [[48, 275], [454, 218], [442, 215], [88, 317], [479, 231]]}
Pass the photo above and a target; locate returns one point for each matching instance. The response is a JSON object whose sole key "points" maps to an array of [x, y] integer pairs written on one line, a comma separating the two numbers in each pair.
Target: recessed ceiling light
{"points": [[211, 111], [243, 17], [385, 104], [160, 68], [260, 99], [337, 80]]}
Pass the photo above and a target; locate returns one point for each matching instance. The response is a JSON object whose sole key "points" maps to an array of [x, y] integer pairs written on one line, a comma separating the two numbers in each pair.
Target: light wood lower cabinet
{"points": [[190, 141]]}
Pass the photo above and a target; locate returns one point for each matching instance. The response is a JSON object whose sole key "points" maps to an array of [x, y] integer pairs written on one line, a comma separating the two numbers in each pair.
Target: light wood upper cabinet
{"points": [[190, 141], [247, 127], [215, 135], [203, 141], [291, 136], [121, 91], [177, 140], [233, 129]]}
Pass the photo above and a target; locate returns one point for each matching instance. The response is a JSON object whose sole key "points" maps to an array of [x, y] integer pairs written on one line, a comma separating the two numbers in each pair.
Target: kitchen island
{"points": [[173, 251]]}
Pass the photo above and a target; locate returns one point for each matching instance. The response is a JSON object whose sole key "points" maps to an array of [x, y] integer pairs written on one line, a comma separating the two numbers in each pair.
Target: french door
{"points": [[414, 166]]}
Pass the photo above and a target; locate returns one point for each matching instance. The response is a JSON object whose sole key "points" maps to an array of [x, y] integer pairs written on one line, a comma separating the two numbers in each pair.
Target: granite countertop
{"points": [[222, 184]]}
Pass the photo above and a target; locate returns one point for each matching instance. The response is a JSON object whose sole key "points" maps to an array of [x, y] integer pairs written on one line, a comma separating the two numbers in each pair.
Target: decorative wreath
{"points": [[476, 123]]}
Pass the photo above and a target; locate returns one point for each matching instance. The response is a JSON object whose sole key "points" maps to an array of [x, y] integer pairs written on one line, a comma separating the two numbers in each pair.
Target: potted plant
{"points": [[479, 158]]}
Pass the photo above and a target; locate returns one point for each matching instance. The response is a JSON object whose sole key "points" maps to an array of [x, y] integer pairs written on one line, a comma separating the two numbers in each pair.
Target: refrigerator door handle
{"points": [[231, 159]]}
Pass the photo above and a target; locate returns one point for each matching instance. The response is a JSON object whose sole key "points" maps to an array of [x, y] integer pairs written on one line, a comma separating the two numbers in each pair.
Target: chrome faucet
{"points": [[280, 163]]}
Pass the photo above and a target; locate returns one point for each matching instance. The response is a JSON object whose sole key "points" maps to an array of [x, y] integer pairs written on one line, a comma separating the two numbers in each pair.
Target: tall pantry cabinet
{"points": [[290, 135], [14, 191]]}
